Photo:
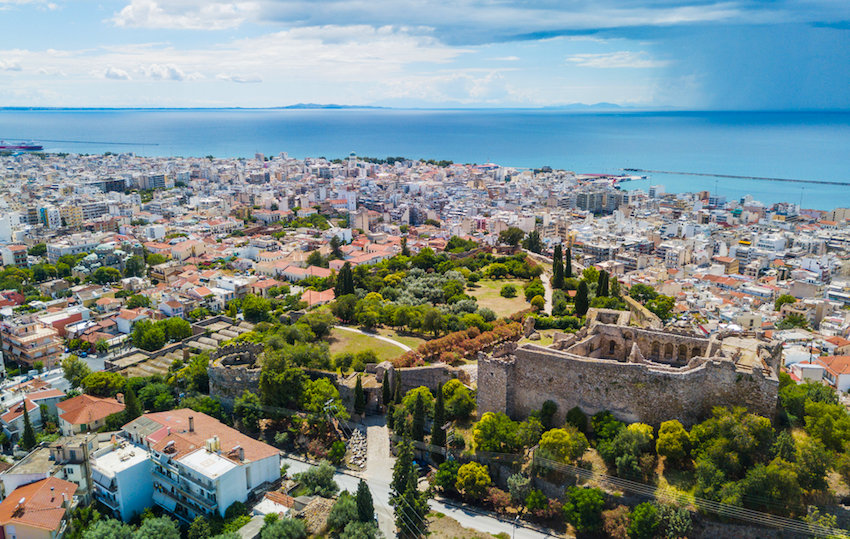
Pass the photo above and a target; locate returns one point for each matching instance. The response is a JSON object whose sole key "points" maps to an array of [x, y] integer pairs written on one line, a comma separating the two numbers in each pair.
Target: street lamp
{"points": [[516, 522]]}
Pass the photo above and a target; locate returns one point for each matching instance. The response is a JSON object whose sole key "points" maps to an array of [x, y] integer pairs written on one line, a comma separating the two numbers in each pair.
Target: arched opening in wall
{"points": [[683, 352], [656, 350], [697, 352], [668, 351], [612, 348], [627, 336]]}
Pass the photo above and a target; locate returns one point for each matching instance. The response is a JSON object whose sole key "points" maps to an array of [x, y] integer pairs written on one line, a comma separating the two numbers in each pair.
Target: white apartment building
{"points": [[194, 465]]}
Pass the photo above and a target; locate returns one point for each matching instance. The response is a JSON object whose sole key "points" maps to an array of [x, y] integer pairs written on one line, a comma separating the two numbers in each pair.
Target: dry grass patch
{"points": [[487, 294], [342, 341]]}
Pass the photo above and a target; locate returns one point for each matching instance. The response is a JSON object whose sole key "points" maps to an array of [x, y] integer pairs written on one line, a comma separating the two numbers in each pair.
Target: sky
{"points": [[700, 54]]}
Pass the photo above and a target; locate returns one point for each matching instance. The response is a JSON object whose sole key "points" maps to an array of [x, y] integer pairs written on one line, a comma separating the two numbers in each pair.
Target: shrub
{"points": [[644, 521], [577, 418], [584, 508], [499, 499], [473, 479], [615, 522], [508, 291]]}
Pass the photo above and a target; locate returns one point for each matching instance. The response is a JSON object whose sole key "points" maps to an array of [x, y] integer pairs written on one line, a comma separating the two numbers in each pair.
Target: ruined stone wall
{"points": [[631, 391], [615, 342], [641, 315], [230, 383], [430, 376]]}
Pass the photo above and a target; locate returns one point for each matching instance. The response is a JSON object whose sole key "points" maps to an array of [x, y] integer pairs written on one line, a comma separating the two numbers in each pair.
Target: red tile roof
{"points": [[85, 409], [41, 507]]}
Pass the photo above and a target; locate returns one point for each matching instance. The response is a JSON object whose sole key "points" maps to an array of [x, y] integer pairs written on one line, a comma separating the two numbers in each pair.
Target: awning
{"points": [[167, 502]]}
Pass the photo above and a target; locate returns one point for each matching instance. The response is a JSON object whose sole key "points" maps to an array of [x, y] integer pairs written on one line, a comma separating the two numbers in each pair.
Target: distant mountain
{"points": [[582, 106], [328, 106]]}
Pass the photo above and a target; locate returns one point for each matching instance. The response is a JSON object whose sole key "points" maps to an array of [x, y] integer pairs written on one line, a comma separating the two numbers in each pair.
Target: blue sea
{"points": [[793, 145]]}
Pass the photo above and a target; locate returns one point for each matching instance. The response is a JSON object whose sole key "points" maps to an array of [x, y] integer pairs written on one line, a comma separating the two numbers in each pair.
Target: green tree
{"points": [[496, 433], [643, 521], [343, 511], [103, 384], [365, 506], [642, 292], [105, 275], [564, 445], [508, 291], [558, 268], [519, 486], [284, 528], [39, 249], [359, 397], [418, 426], [446, 476], [782, 300], [134, 267], [473, 480], [432, 321], [583, 508], [386, 392], [568, 264], [661, 306], [75, 370], [582, 303], [101, 346], [155, 259], [318, 480], [255, 308], [602, 284], [344, 281], [249, 411], [132, 408], [538, 303], [199, 529], [672, 441], [532, 242], [409, 504], [512, 236], [109, 528], [28, 439], [438, 434], [813, 463]]}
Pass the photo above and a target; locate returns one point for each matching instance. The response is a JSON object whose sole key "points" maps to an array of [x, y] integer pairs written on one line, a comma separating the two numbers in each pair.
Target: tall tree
{"points": [[582, 302], [602, 284], [397, 396], [359, 397], [438, 435], [405, 250], [28, 440], [409, 504], [532, 242], [418, 418], [558, 267], [344, 281], [568, 264], [386, 392], [365, 506], [132, 408]]}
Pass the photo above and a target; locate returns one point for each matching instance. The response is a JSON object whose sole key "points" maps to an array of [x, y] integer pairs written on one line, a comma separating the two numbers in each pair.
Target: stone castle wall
{"points": [[633, 392], [231, 383]]}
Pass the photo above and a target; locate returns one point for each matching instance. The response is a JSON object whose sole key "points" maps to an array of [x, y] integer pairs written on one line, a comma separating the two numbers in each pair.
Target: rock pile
{"points": [[357, 447]]}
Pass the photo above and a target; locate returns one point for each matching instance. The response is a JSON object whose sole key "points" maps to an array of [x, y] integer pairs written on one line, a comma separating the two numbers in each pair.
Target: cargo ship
{"points": [[28, 146]]}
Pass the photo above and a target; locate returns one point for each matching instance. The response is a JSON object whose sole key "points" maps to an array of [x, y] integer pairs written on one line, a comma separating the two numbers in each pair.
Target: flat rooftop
{"points": [[209, 465], [120, 459]]}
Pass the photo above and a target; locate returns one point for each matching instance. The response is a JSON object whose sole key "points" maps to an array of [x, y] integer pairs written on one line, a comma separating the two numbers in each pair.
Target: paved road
{"points": [[548, 297], [378, 475], [376, 336]]}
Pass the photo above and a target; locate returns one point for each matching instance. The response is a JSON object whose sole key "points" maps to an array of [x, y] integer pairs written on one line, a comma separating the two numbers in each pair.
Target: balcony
{"points": [[192, 501], [205, 485], [107, 501]]}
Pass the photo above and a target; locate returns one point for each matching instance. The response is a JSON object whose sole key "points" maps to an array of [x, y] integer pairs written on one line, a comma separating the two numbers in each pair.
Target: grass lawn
{"points": [[487, 294], [412, 340], [347, 341]]}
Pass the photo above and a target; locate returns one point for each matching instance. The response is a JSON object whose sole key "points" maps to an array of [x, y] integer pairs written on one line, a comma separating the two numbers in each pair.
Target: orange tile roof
{"points": [[42, 506], [18, 410], [836, 364], [85, 409], [205, 428]]}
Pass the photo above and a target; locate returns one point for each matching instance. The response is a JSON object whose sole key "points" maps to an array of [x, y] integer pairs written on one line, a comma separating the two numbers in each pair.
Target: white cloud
{"points": [[237, 77], [10, 65], [617, 59], [111, 73], [167, 72], [183, 14], [505, 59]]}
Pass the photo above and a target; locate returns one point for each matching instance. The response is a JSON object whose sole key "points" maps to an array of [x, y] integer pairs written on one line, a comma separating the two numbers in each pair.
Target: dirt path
{"points": [[376, 336]]}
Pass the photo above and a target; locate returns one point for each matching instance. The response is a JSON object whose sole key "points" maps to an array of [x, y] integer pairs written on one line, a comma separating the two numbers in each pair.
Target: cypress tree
{"points": [[397, 396], [405, 250], [386, 394], [391, 415], [581, 299], [615, 288], [28, 440], [359, 398], [568, 264], [438, 435], [132, 407], [344, 281], [418, 427], [602, 284], [558, 267], [365, 506]]}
